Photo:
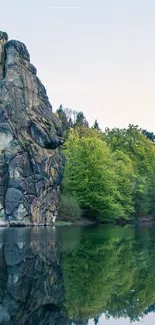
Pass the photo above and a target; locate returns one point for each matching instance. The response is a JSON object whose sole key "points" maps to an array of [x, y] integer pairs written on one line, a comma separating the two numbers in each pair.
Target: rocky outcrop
{"points": [[31, 161]]}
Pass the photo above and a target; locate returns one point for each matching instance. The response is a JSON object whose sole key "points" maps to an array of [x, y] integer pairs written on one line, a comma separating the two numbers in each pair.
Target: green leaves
{"points": [[111, 174], [94, 176], [141, 151]]}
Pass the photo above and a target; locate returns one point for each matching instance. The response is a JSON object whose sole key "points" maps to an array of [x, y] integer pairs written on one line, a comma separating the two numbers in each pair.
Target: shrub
{"points": [[69, 209]]}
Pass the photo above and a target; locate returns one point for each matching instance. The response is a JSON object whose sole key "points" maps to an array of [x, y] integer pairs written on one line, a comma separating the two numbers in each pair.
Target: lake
{"points": [[77, 275]]}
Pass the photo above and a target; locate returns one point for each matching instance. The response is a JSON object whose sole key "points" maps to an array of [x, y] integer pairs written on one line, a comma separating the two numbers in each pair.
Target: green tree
{"points": [[141, 196], [125, 182], [111, 174], [133, 142], [93, 176]]}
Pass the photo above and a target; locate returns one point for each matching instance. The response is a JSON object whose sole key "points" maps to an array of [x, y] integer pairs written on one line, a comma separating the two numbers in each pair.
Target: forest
{"points": [[110, 174]]}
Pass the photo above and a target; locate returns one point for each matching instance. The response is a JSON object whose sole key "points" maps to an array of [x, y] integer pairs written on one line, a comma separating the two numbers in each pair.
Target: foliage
{"points": [[81, 120], [149, 135], [141, 151], [95, 181], [71, 118], [125, 182], [88, 132], [63, 118], [132, 142], [69, 209], [110, 271], [111, 174]]}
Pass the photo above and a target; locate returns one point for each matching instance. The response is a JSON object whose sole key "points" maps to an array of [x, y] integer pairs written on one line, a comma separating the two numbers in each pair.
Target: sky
{"points": [[147, 320], [92, 56]]}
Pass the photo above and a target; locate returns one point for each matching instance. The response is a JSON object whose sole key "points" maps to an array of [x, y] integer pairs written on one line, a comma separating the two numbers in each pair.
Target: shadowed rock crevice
{"points": [[30, 140], [3, 41]]}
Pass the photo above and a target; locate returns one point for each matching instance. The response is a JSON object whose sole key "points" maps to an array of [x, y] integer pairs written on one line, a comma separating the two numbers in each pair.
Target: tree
{"points": [[81, 120], [149, 135], [141, 196], [92, 177], [125, 182], [133, 142], [111, 174], [96, 125], [63, 118]]}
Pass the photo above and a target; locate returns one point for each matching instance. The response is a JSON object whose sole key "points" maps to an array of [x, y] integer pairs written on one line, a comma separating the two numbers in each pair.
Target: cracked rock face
{"points": [[31, 161]]}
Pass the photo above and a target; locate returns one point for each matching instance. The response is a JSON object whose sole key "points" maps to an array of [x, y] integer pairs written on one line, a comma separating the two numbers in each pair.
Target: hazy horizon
{"points": [[97, 57]]}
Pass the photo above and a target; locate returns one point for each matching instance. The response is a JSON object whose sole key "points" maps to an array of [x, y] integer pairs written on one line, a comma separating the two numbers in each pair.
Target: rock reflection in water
{"points": [[31, 282]]}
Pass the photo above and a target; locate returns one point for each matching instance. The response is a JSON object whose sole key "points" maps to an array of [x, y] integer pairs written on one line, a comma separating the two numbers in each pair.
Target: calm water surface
{"points": [[77, 275]]}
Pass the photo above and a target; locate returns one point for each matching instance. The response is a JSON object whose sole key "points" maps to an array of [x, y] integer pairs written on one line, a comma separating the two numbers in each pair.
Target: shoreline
{"points": [[79, 222]]}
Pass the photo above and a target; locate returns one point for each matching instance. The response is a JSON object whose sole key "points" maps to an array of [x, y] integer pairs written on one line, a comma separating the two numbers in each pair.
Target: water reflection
{"points": [[31, 282], [109, 274], [97, 275]]}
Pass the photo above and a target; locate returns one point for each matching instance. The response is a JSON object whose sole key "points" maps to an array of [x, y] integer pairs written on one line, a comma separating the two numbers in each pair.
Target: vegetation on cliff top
{"points": [[110, 174]]}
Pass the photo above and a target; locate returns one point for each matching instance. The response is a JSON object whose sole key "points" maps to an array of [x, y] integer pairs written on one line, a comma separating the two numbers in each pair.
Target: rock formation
{"points": [[31, 161]]}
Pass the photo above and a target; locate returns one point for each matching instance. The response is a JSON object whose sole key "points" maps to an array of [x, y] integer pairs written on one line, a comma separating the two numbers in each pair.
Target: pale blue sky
{"points": [[98, 57]]}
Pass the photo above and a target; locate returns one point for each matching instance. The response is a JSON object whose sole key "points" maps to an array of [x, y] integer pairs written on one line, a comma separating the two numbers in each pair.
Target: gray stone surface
{"points": [[31, 161]]}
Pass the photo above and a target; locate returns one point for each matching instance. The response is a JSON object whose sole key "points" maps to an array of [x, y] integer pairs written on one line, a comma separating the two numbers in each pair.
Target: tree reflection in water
{"points": [[110, 271]]}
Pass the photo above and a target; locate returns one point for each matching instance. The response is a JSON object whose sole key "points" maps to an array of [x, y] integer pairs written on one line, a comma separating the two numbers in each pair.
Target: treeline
{"points": [[110, 174]]}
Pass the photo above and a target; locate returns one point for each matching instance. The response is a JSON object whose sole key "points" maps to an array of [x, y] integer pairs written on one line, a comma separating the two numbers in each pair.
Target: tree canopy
{"points": [[111, 174]]}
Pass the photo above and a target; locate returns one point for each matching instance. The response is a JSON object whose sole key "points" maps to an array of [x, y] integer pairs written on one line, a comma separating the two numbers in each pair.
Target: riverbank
{"points": [[149, 219], [79, 222], [82, 222], [145, 219]]}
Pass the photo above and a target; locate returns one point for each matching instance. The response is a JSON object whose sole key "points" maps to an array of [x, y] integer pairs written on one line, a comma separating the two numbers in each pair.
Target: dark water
{"points": [[77, 275]]}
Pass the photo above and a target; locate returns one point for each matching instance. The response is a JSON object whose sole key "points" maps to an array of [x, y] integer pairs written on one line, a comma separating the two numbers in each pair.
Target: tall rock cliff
{"points": [[31, 161]]}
